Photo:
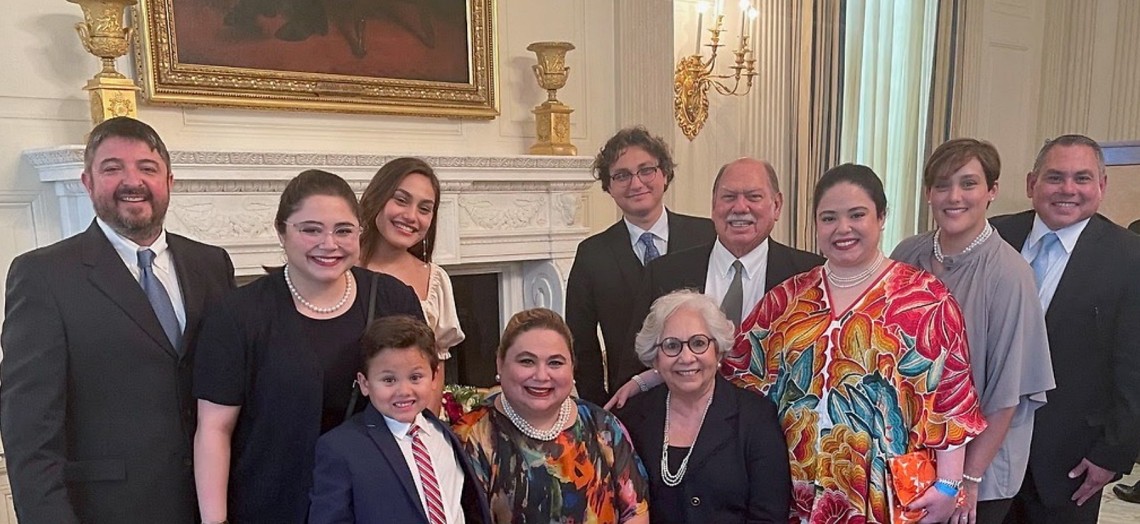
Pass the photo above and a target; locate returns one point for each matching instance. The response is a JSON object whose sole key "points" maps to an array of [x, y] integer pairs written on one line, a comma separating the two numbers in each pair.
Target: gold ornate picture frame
{"points": [[403, 57]]}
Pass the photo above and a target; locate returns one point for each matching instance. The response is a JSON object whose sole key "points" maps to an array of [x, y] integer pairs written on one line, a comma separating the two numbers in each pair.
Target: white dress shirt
{"points": [[1068, 237], [447, 471], [163, 265], [719, 275], [660, 230]]}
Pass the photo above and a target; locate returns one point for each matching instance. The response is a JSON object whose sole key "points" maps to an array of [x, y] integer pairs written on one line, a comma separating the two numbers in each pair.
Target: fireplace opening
{"points": [[477, 303]]}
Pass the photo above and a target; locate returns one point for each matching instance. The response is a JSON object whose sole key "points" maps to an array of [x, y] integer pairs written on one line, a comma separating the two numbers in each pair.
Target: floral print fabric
{"points": [[587, 474], [887, 377]]}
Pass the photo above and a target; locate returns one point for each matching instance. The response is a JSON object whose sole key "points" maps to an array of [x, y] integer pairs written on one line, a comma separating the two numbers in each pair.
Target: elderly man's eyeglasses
{"points": [[698, 344], [623, 177], [317, 231]]}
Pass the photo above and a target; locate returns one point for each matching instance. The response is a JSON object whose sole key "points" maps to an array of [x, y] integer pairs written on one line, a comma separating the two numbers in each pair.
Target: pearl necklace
{"points": [[524, 426], [854, 280], [978, 240], [313, 307], [672, 479]]}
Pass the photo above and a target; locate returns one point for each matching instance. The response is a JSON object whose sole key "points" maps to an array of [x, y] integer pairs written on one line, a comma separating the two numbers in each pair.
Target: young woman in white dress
{"points": [[399, 219]]}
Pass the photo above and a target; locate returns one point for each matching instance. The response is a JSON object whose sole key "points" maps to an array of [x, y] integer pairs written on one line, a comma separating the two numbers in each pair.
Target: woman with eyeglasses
{"points": [[399, 210], [275, 364], [714, 452]]}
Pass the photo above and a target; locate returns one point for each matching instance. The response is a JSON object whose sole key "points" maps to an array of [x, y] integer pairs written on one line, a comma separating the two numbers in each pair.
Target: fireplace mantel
{"points": [[520, 212]]}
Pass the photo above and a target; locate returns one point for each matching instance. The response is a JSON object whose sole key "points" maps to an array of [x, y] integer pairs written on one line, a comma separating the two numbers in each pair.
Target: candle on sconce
{"points": [[744, 6], [753, 29], [701, 8]]}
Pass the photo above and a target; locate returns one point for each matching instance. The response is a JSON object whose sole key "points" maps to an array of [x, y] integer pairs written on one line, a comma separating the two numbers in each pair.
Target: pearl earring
{"points": [[497, 379]]}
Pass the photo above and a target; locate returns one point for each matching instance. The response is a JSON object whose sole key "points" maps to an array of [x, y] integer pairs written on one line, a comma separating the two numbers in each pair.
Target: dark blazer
{"points": [[1093, 323], [738, 471], [95, 404], [361, 476], [600, 290], [254, 353], [688, 269]]}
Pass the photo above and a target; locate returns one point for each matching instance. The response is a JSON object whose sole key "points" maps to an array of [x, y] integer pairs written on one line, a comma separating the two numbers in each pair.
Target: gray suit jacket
{"points": [[95, 405]]}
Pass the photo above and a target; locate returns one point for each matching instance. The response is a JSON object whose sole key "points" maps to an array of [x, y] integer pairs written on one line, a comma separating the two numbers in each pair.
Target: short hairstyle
{"points": [[720, 327], [308, 183], [859, 175], [1069, 140], [636, 136], [397, 332], [531, 319], [772, 178], [951, 156], [380, 190], [123, 127]]}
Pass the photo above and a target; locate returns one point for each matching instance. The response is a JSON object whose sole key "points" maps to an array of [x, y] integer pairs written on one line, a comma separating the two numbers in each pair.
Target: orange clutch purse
{"points": [[911, 475]]}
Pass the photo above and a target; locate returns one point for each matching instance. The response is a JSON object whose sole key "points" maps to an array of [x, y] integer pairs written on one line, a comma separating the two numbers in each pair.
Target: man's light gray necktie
{"points": [[1045, 256], [159, 298], [733, 301], [651, 251]]}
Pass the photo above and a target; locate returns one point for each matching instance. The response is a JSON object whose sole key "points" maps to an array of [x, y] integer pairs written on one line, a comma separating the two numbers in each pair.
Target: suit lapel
{"points": [[621, 251], [1084, 256], [716, 431], [378, 431], [108, 274], [188, 271]]}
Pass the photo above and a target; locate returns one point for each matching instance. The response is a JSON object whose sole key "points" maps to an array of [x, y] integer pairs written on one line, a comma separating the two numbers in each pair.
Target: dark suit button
{"points": [[695, 501]]}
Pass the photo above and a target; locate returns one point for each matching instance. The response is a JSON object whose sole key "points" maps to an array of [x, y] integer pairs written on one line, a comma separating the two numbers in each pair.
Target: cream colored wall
{"points": [[1037, 69]]}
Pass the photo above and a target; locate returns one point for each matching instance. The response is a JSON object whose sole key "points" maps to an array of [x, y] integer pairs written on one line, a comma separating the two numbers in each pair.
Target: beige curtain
{"points": [[888, 57], [817, 39]]}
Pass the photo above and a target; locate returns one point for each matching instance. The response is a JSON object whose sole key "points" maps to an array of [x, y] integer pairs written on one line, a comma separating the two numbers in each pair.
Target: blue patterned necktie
{"points": [[651, 251], [159, 298], [1045, 255]]}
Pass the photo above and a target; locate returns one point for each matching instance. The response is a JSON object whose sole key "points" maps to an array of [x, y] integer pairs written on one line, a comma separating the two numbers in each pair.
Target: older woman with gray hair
{"points": [[722, 453]]}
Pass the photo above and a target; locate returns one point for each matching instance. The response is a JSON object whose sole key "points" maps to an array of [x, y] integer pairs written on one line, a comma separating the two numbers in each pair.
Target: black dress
{"points": [[291, 376]]}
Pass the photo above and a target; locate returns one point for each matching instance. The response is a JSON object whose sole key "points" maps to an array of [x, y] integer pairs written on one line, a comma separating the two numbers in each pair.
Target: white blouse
{"points": [[439, 311]]}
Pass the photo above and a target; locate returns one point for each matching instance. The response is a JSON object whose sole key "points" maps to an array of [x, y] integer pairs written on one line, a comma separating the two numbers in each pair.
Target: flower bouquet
{"points": [[459, 400]]}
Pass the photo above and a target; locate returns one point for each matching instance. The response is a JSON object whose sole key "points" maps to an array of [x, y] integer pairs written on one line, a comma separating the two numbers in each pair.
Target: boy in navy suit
{"points": [[395, 461]]}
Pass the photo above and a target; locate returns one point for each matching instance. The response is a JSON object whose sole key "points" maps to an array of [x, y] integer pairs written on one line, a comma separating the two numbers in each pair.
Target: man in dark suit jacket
{"points": [[95, 406], [1087, 434], [746, 204], [362, 476], [635, 168]]}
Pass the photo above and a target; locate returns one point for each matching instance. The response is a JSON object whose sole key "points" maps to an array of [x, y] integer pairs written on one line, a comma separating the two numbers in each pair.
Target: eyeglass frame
{"points": [[320, 237], [710, 341], [624, 177]]}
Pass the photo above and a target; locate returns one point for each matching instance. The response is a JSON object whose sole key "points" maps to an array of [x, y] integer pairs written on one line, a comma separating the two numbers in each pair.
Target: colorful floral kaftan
{"points": [[589, 473], [889, 376]]}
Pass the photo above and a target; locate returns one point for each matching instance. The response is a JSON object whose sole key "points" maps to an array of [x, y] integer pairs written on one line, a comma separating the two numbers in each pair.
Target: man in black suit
{"points": [[635, 168], [746, 204], [1086, 279], [95, 406]]}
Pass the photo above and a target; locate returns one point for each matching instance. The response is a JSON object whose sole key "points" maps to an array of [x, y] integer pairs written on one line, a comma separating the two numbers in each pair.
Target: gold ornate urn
{"points": [[104, 35], [552, 118]]}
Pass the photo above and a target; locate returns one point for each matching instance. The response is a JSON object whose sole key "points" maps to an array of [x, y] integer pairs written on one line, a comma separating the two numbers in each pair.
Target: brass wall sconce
{"points": [[104, 35], [552, 118], [694, 74]]}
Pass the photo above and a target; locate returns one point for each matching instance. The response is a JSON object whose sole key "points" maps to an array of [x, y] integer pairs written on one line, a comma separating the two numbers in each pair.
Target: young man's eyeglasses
{"points": [[317, 231], [698, 344], [623, 177]]}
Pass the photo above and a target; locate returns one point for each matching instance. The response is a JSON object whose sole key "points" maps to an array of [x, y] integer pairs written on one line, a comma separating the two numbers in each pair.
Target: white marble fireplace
{"points": [[519, 216]]}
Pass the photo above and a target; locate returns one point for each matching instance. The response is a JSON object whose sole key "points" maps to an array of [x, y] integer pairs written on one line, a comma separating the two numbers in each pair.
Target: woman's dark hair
{"points": [[951, 156], [397, 332], [531, 319], [859, 175], [312, 182], [380, 190]]}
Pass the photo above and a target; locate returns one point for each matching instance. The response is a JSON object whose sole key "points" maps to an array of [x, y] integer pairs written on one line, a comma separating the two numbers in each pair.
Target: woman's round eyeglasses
{"points": [[698, 344]]}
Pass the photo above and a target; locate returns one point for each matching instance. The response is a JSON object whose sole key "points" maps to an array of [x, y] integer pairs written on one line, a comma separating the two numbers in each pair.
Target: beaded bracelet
{"points": [[975, 480]]}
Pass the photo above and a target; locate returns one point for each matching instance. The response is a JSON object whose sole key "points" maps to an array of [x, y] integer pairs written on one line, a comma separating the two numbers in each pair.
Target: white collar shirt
{"points": [[660, 230], [446, 467], [719, 276], [1068, 236], [163, 265]]}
